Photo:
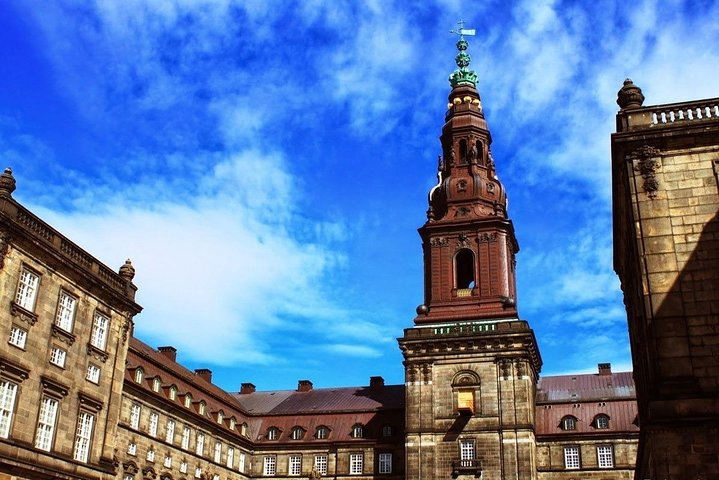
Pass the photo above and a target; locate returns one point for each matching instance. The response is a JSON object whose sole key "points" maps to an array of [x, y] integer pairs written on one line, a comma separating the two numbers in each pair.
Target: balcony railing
{"points": [[466, 467]]}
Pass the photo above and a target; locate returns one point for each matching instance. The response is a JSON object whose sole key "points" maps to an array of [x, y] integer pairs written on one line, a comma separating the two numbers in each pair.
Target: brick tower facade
{"points": [[471, 366]]}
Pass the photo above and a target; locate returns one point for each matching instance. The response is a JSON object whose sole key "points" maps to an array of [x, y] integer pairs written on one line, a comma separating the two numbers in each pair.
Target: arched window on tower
{"points": [[464, 272], [480, 153], [465, 388], [463, 152]]}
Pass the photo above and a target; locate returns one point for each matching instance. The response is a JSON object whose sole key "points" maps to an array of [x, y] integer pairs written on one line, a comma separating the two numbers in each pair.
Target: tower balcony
{"points": [[466, 467]]}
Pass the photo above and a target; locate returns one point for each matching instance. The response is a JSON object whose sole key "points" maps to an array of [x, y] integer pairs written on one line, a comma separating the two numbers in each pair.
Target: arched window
{"points": [[173, 392], [297, 433], [464, 269], [220, 416], [243, 429], [273, 433], [201, 408], [233, 423], [322, 433], [466, 389], [463, 152], [139, 375], [188, 400], [156, 384], [480, 152], [601, 421], [357, 431], [568, 423]]}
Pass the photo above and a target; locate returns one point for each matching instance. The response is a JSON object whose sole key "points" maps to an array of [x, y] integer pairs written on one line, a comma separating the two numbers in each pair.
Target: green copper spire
{"points": [[463, 75]]}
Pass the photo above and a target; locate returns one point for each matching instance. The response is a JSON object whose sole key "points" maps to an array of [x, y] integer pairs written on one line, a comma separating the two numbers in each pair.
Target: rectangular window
{"points": [[46, 424], [85, 422], [294, 466], [200, 446], [7, 406], [356, 463], [571, 457], [18, 336], [466, 453], [385, 463], [27, 290], [198, 472], [186, 438], [605, 456], [98, 337], [93, 373], [135, 416], [170, 431], [241, 467], [218, 452], [168, 461], [321, 464], [65, 312], [269, 466], [183, 467], [132, 448], [150, 455], [230, 457], [57, 356], [152, 426]]}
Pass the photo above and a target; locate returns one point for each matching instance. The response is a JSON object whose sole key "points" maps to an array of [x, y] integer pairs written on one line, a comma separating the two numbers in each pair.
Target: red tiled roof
{"points": [[577, 388]]}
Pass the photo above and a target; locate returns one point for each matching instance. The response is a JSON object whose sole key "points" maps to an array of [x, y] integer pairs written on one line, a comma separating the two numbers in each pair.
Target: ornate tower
{"points": [[471, 365]]}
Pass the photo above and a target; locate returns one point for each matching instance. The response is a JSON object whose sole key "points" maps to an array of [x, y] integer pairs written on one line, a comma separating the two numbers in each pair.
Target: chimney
{"points": [[205, 374], [247, 388], [304, 386], [605, 368], [169, 352], [376, 382]]}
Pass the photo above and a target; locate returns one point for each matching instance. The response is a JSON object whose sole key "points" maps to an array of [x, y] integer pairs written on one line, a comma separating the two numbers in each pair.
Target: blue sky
{"points": [[265, 164]]}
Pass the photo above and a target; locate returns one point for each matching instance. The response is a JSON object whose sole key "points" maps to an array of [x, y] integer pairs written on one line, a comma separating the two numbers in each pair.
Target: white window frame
{"points": [[385, 463], [218, 452], [273, 433], [200, 444], [173, 393], [93, 373], [152, 424], [186, 433], [8, 395], [27, 289], [602, 422], [322, 433], [132, 448], [188, 400], [45, 434], [183, 467], [100, 327], [467, 453], [139, 375], [150, 455], [241, 466], [198, 472], [320, 464], [230, 457], [135, 412], [605, 456], [167, 463], [58, 356], [297, 433], [294, 465], [83, 436], [269, 466], [18, 337], [572, 460], [170, 431], [357, 431], [156, 382], [356, 463], [65, 316]]}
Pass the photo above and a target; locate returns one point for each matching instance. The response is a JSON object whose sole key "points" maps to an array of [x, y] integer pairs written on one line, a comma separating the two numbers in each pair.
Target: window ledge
{"points": [[62, 335], [23, 313]]}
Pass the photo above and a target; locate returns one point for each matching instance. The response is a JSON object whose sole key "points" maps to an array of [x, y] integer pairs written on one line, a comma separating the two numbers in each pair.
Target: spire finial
{"points": [[463, 75]]}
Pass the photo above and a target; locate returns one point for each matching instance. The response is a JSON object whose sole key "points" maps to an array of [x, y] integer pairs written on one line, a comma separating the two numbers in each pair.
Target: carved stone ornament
{"points": [[521, 368], [4, 245], [130, 467], [463, 241], [506, 368], [487, 237], [462, 212], [438, 242], [646, 161], [426, 372], [411, 373], [462, 185], [24, 315], [126, 328]]}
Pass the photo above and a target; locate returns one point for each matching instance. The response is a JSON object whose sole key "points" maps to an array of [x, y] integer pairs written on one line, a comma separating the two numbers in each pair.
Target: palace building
{"points": [[82, 398]]}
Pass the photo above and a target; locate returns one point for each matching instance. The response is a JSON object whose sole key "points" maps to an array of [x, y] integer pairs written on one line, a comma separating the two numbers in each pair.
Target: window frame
{"points": [[467, 451], [384, 463], [200, 444], [601, 422], [46, 424], [23, 301], [269, 466], [153, 424], [321, 465], [135, 415], [273, 433], [7, 408], [357, 431], [56, 362], [297, 433], [568, 423], [572, 457], [93, 373], [170, 431], [83, 436], [99, 340], [605, 459], [217, 456], [18, 337], [294, 465], [186, 437], [356, 463], [65, 315]]}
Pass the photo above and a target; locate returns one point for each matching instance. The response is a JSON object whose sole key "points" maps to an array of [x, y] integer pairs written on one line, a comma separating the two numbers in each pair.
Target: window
{"points": [[65, 312], [188, 400], [269, 466], [218, 452], [150, 455], [98, 337], [230, 457], [233, 423], [356, 461], [321, 464], [27, 289], [85, 422], [272, 433], [243, 429], [220, 417], [183, 467], [466, 453], [198, 472], [294, 466], [57, 356], [201, 408], [93, 373], [46, 424], [170, 431], [605, 456], [297, 433], [216, 477], [241, 466], [357, 431], [152, 426], [571, 457], [139, 375], [168, 461], [135, 416], [385, 463], [173, 393], [186, 437], [18, 336], [464, 269], [387, 431], [200, 445], [8, 392], [132, 448], [322, 433], [156, 384], [601, 421], [569, 423]]}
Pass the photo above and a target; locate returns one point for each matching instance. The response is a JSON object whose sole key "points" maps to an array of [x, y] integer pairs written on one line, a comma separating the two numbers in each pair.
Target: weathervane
{"points": [[463, 75]]}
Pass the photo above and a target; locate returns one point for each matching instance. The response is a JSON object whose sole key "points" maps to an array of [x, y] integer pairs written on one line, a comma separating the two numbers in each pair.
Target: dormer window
{"points": [[156, 384], [172, 393], [601, 421], [387, 431], [322, 433], [297, 433], [139, 375], [233, 423], [188, 400], [201, 408], [273, 433], [569, 423], [357, 431], [243, 429], [220, 416]]}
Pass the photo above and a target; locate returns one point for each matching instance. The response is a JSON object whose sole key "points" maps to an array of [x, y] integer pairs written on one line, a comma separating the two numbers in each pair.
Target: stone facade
{"points": [[666, 233]]}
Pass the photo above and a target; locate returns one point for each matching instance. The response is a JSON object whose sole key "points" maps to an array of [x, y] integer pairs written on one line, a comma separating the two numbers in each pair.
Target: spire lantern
{"points": [[463, 75]]}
